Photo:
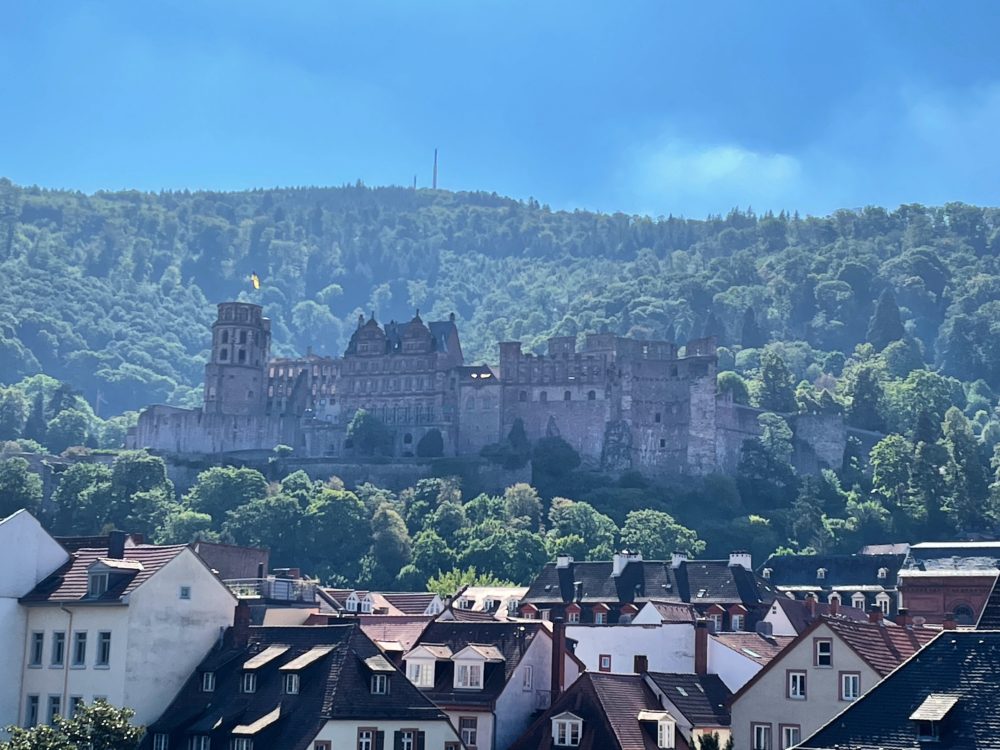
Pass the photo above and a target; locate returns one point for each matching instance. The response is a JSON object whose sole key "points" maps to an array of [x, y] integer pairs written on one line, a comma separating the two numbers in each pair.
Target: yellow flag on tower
{"points": [[255, 280]]}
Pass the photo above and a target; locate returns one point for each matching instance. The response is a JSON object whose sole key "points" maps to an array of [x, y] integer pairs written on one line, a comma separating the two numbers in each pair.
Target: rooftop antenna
{"points": [[414, 182], [434, 183]]}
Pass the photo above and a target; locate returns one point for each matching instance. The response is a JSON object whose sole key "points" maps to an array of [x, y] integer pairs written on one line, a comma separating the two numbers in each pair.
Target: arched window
{"points": [[821, 573], [882, 600], [543, 396], [834, 597], [223, 354], [964, 615], [858, 600], [407, 438], [522, 396], [567, 396], [592, 395], [225, 337], [883, 573]]}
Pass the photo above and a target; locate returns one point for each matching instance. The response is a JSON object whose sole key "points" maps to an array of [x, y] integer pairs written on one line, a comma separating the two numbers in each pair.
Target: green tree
{"points": [[752, 337], [484, 508], [928, 493], [132, 473], [68, 427], [777, 385], [885, 325], [733, 384], [452, 581], [866, 400], [274, 523], [521, 501], [337, 530], [448, 519], [554, 456], [657, 535], [597, 532], [99, 726], [20, 487], [82, 499], [431, 555], [892, 461], [220, 489], [35, 425], [13, 413], [505, 552], [968, 486], [391, 547], [184, 526], [368, 435]]}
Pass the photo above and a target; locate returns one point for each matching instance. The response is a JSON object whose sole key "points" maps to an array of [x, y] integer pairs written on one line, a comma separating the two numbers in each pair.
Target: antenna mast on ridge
{"points": [[434, 182]]}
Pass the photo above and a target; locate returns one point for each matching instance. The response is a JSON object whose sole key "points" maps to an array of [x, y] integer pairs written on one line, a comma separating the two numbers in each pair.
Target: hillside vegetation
{"points": [[891, 317]]}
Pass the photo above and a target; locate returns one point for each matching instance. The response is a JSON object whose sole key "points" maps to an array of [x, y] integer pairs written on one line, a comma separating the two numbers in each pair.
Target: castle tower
{"points": [[236, 374]]}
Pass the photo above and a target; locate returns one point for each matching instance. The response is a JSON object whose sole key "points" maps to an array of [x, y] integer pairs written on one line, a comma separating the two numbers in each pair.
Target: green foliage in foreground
{"points": [[99, 726]]}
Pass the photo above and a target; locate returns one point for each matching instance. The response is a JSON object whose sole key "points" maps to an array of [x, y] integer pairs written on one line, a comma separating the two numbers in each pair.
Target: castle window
{"points": [[592, 395], [243, 356], [249, 394], [522, 396], [225, 337], [243, 337], [657, 417], [543, 396], [211, 393], [673, 371], [567, 396], [663, 443], [223, 354]]}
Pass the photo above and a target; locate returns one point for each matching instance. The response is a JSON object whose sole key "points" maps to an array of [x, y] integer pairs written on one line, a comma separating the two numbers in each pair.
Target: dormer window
{"points": [[858, 600], [883, 573], [249, 683], [928, 731], [929, 715], [292, 684], [208, 682], [420, 673], [97, 584], [380, 684], [821, 573], [665, 731], [567, 729], [469, 676], [766, 573]]}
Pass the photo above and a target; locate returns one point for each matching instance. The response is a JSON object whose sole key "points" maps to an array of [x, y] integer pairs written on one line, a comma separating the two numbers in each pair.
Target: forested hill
{"points": [[113, 292]]}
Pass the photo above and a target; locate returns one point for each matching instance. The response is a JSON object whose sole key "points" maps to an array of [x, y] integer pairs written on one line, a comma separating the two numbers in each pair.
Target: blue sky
{"points": [[648, 107]]}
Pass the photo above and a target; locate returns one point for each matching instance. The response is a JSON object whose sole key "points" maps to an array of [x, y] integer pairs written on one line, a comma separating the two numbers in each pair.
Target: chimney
{"points": [[558, 657], [564, 561], [241, 624], [834, 607], [903, 618], [741, 558], [810, 603], [116, 545], [677, 558], [622, 559], [701, 646], [875, 614], [260, 570], [949, 622], [764, 628]]}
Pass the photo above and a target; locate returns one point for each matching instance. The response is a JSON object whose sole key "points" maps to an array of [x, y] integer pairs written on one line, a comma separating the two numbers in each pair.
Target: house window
{"points": [[716, 621], [821, 573], [543, 396], [736, 621], [522, 396], [850, 686], [31, 711], [566, 732], [790, 736], [824, 652], [640, 663], [882, 600], [55, 707], [248, 683], [36, 653], [604, 662], [796, 686], [200, 742], [927, 731], [242, 743], [663, 442], [75, 704], [883, 573], [665, 731], [380, 684], [406, 739], [291, 684], [420, 674], [185, 592], [161, 741], [322, 745], [657, 418], [366, 739], [79, 648], [573, 617], [858, 600], [600, 618], [242, 356], [528, 678], [208, 682], [469, 727], [103, 649], [223, 354], [469, 676], [761, 736], [58, 649]]}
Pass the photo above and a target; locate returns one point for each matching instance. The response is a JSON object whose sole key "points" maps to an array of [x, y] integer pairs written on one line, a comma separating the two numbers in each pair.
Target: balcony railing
{"points": [[273, 589]]}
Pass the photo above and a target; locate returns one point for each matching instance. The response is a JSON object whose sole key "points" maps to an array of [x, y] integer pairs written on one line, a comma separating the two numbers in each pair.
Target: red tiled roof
{"points": [[884, 648], [69, 583], [406, 629], [754, 646]]}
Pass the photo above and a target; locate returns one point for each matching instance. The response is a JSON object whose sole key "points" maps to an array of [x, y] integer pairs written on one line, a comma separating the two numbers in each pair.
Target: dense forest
{"points": [[889, 317]]}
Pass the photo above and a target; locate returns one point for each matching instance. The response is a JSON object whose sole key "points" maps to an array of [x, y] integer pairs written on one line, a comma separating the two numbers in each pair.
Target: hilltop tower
{"points": [[236, 374]]}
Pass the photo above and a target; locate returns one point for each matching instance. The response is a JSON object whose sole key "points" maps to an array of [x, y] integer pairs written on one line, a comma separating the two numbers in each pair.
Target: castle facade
{"points": [[621, 403]]}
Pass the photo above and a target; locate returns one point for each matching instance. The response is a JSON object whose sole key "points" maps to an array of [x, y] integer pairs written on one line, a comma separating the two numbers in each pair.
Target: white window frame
{"points": [[787, 741], [736, 623], [760, 737], [161, 741], [796, 689], [853, 679], [242, 743], [248, 683], [77, 641], [97, 584], [528, 678], [420, 672], [366, 739], [469, 734], [601, 660], [883, 601], [716, 620], [36, 655], [58, 649], [103, 658], [469, 675], [665, 732], [858, 600], [828, 655], [573, 617], [566, 732], [208, 682], [407, 739], [380, 684], [292, 683], [600, 617], [200, 742], [32, 711]]}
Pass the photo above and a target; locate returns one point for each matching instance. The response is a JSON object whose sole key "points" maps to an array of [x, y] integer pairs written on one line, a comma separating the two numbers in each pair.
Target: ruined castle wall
{"points": [[187, 431], [478, 417], [820, 440], [656, 401], [735, 423], [546, 411]]}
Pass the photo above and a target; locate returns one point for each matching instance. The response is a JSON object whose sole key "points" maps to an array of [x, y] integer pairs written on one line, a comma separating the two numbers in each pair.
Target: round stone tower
{"points": [[236, 374]]}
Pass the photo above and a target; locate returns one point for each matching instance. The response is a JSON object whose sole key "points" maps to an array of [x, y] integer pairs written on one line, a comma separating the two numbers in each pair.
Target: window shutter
{"points": [[420, 741], [380, 740], [397, 740]]}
